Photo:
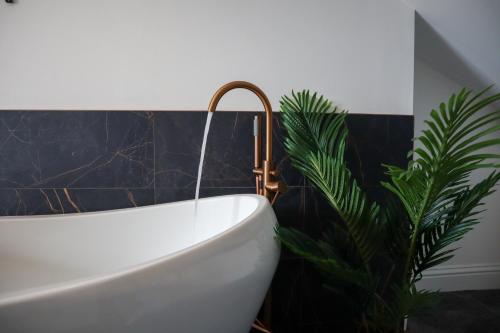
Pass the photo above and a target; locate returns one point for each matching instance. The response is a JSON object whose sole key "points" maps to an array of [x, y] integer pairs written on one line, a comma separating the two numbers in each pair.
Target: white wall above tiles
{"points": [[476, 264], [450, 55], [460, 38], [172, 55]]}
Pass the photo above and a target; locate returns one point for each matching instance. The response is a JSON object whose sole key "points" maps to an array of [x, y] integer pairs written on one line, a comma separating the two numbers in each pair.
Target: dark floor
{"points": [[462, 312]]}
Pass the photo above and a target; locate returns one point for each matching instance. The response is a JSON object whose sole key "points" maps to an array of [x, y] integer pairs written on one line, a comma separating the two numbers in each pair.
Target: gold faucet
{"points": [[265, 173]]}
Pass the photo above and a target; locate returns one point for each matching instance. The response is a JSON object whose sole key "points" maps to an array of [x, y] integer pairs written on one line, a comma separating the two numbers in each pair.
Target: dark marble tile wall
{"points": [[55, 162], [60, 162]]}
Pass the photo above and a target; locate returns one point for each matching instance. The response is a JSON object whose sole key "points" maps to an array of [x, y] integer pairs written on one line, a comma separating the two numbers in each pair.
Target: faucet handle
{"points": [[274, 172], [258, 171], [277, 187]]}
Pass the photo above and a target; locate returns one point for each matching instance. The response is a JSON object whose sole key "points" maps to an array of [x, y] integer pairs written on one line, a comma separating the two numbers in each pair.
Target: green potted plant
{"points": [[377, 253]]}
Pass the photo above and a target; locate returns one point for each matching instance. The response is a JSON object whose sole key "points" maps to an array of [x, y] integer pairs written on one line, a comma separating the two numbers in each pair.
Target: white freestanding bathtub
{"points": [[148, 269]]}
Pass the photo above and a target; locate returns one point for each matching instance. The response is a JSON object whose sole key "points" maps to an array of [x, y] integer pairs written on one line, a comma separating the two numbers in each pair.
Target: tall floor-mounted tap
{"points": [[266, 182]]}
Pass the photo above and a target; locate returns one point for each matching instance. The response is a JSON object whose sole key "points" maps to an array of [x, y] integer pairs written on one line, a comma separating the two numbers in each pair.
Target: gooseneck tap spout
{"points": [[265, 102], [264, 171]]}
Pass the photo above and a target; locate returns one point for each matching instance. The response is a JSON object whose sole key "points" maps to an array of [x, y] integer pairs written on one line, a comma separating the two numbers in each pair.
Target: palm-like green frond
{"points": [[316, 144], [324, 256], [334, 180], [313, 124], [456, 221], [436, 183], [433, 205]]}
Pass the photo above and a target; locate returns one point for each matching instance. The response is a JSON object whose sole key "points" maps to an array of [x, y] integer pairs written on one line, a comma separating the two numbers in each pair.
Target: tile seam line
{"points": [[136, 188], [134, 110]]}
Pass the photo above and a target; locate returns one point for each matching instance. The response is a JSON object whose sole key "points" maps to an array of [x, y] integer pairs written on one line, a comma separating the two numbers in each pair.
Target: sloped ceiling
{"points": [[460, 38]]}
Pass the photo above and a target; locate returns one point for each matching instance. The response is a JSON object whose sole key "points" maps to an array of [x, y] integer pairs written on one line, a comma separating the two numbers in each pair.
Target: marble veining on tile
{"points": [[22, 201], [229, 154], [76, 149]]}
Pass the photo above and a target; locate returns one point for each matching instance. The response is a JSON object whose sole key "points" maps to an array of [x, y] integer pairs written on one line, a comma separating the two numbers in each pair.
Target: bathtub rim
{"points": [[75, 284]]}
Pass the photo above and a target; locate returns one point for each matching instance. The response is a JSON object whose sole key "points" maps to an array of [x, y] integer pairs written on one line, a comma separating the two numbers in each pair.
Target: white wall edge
{"points": [[462, 277]]}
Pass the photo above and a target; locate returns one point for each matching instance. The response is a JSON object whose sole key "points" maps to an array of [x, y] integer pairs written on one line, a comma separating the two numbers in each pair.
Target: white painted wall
{"points": [[172, 55], [470, 29], [476, 264], [456, 45]]}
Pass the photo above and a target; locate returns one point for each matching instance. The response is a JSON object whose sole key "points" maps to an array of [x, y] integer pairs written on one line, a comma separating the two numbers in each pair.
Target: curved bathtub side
{"points": [[215, 287]]}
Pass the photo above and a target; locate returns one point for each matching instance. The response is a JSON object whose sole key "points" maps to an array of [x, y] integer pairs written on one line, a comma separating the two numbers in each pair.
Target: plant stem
{"points": [[413, 242]]}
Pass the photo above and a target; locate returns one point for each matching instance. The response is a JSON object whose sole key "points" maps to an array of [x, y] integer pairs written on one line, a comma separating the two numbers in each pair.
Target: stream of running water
{"points": [[202, 158]]}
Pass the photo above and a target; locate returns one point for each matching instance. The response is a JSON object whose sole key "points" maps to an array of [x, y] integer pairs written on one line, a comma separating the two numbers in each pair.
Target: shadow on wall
{"points": [[434, 50]]}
